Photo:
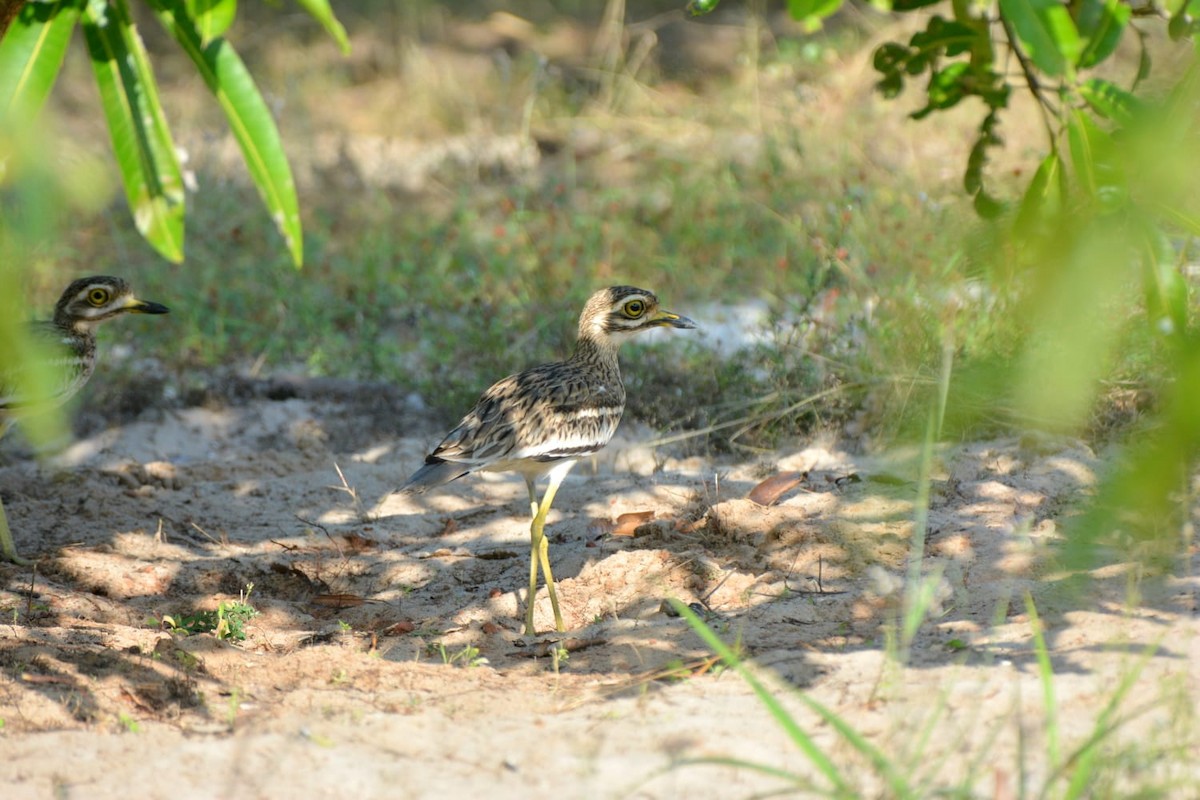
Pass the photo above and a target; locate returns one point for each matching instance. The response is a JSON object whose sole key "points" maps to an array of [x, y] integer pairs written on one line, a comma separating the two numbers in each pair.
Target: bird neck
{"points": [[74, 326], [595, 350]]}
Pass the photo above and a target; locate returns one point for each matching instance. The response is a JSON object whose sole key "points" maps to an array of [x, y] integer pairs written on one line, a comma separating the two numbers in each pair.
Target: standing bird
{"points": [[68, 346], [541, 421]]}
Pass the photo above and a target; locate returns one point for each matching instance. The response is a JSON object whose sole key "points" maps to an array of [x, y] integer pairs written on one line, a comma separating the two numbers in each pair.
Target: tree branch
{"points": [[8, 12], [1031, 78]]}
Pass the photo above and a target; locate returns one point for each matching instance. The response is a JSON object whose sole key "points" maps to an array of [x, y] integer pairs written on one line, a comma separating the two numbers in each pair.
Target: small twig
{"points": [[1031, 79], [206, 534], [713, 591], [820, 579], [325, 531], [29, 597]]}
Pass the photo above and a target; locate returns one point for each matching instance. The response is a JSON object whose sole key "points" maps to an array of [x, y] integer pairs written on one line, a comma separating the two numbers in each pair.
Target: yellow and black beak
{"points": [[135, 306], [667, 319]]}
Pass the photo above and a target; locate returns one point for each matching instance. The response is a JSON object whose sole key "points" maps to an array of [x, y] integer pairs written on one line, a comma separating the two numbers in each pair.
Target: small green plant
{"points": [[228, 621], [468, 656], [129, 723]]}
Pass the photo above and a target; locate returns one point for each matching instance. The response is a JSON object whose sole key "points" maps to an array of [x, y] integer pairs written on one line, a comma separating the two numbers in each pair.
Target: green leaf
{"points": [[322, 13], [1085, 139], [1046, 31], [912, 5], [1101, 24], [1108, 100], [811, 12], [953, 37], [1164, 287], [211, 17], [1044, 197], [249, 119], [31, 54], [141, 140], [946, 88]]}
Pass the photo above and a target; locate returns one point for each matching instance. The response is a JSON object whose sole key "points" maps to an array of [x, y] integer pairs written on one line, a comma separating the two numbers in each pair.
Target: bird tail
{"points": [[435, 472]]}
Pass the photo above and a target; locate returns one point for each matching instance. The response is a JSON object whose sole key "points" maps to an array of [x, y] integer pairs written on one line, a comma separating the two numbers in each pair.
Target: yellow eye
{"points": [[635, 308], [98, 296]]}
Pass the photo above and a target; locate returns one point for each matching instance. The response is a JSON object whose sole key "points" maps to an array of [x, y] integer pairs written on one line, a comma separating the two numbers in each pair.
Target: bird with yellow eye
{"points": [[541, 421], [67, 345]]}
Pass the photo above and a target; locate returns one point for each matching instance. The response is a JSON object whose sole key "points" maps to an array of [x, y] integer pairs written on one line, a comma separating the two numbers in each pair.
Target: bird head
{"points": [[89, 301], [620, 311]]}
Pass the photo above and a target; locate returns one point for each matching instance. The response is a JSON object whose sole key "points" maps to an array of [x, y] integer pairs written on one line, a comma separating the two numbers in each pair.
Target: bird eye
{"points": [[98, 296], [635, 308]]}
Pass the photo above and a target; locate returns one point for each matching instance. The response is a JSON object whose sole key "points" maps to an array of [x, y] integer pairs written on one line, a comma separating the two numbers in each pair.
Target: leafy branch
{"points": [[33, 44]]}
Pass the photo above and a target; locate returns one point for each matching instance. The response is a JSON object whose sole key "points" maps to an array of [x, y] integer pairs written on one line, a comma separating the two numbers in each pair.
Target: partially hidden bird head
{"points": [[618, 311], [89, 301]]}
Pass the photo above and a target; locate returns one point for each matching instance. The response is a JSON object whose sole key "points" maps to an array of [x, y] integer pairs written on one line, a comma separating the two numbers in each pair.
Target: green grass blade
{"points": [[31, 54], [141, 140], [1046, 673], [883, 766], [1082, 761], [323, 13], [249, 119], [801, 739]]}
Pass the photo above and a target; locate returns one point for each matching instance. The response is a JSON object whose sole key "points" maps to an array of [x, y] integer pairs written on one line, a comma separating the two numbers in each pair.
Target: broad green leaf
{"points": [[141, 140], [31, 54], [912, 5], [1165, 289], [211, 17], [811, 12], [1179, 217], [1108, 100], [954, 37], [1084, 139], [1044, 197], [322, 13], [1046, 31], [946, 88], [249, 119], [1101, 23], [700, 7]]}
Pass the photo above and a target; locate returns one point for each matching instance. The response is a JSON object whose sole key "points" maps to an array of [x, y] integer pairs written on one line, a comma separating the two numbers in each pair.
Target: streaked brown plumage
{"points": [[541, 421], [67, 345]]}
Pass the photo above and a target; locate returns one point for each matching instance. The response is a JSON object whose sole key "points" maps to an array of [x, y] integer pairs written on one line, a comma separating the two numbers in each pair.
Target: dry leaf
{"points": [[400, 628], [358, 543], [775, 487], [630, 521]]}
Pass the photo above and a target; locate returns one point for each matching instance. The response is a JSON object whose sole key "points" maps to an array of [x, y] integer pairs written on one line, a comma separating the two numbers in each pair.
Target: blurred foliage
{"points": [[31, 56], [36, 203]]}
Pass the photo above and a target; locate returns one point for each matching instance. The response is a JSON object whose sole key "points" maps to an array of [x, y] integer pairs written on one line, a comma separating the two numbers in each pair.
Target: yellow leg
{"points": [[8, 551], [540, 547], [535, 541]]}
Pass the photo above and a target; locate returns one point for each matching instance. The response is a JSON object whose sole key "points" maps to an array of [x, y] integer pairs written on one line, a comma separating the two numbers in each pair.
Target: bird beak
{"points": [[135, 306], [666, 319]]}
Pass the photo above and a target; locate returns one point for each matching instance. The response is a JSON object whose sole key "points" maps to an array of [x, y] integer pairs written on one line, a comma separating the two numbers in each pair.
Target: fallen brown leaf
{"points": [[339, 600], [775, 487], [629, 522], [358, 542]]}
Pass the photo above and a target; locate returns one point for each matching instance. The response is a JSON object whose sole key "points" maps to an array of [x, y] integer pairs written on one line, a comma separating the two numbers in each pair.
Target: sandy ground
{"points": [[342, 687]]}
